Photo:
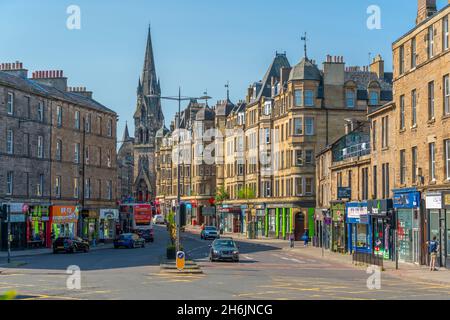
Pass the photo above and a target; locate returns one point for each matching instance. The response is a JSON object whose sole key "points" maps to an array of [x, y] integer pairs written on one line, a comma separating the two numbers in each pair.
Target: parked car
{"points": [[129, 240], [209, 232], [147, 234], [70, 245], [159, 219], [224, 249]]}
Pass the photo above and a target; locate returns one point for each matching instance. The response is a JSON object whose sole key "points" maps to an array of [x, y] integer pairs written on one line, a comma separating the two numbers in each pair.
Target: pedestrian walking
{"points": [[433, 249], [291, 240], [306, 238]]}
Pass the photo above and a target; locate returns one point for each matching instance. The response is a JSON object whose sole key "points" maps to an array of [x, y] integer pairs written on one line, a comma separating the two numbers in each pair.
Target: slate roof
{"points": [[305, 70], [31, 86], [280, 61], [224, 108], [205, 113]]}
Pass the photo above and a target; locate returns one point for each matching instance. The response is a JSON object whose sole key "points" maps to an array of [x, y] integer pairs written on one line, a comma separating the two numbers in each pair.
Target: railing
{"points": [[357, 150], [368, 259]]}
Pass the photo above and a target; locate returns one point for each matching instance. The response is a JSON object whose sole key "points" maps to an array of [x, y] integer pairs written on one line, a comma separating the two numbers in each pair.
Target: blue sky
{"points": [[198, 44]]}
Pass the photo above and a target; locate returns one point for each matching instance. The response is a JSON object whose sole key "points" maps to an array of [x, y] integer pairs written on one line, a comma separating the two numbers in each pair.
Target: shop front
{"points": [[383, 230], [64, 221], [231, 219], [18, 228], [109, 219], [282, 220], [90, 225], [338, 233], [209, 215], [407, 207], [438, 211], [38, 226], [359, 227], [260, 221]]}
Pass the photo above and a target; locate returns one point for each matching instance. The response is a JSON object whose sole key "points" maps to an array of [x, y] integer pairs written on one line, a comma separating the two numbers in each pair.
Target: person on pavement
{"points": [[306, 238], [291, 240], [433, 249]]}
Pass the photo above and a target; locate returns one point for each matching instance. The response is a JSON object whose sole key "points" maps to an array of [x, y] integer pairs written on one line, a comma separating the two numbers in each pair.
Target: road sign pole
{"points": [[8, 209]]}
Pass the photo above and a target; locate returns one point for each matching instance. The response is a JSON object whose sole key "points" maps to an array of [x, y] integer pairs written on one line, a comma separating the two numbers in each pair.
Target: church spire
{"points": [[126, 134], [149, 79]]}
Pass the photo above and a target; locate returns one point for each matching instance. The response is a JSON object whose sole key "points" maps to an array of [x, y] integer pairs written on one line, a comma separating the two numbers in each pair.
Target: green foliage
{"points": [[221, 195], [246, 194], [10, 295]]}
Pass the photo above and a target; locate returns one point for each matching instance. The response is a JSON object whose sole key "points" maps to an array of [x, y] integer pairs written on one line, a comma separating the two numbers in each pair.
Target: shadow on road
{"points": [[101, 259]]}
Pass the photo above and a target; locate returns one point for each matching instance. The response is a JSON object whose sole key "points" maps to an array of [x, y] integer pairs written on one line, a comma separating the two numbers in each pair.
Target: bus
{"points": [[136, 217]]}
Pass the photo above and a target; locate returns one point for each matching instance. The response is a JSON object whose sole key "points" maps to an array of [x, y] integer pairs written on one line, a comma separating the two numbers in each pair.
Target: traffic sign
{"points": [[181, 260]]}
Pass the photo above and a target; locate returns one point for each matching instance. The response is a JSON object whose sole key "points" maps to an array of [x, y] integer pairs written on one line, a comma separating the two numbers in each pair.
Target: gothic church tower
{"points": [[148, 119]]}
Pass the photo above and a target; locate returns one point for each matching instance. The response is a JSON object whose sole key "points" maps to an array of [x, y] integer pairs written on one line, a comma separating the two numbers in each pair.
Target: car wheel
{"points": [[116, 247], [55, 251]]}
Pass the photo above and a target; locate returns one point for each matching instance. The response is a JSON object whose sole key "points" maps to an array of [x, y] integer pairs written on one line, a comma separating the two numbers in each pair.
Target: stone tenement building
{"points": [[58, 152], [265, 154], [408, 168], [148, 119]]}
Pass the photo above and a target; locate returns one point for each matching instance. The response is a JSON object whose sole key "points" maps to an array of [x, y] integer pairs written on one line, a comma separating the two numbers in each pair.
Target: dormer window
{"points": [[373, 98], [350, 98]]}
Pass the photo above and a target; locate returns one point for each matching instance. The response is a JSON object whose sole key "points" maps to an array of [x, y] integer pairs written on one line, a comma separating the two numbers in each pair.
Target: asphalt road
{"points": [[265, 272]]}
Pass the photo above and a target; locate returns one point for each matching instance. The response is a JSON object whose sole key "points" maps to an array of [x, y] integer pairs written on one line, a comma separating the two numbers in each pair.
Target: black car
{"points": [[224, 249], [147, 234], [70, 245]]}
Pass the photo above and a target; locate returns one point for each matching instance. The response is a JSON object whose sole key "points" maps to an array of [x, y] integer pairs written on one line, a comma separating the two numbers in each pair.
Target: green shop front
{"points": [[282, 220], [338, 239]]}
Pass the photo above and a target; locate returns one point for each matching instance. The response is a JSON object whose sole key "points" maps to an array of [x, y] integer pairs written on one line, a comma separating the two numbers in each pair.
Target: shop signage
{"points": [[62, 214], [39, 213], [446, 200], [109, 214], [433, 200], [379, 207], [17, 218], [231, 210], [406, 199], [344, 193], [208, 211], [16, 207], [356, 212]]}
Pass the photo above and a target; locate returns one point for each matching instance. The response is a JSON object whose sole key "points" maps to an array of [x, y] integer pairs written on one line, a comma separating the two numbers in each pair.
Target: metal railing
{"points": [[369, 259]]}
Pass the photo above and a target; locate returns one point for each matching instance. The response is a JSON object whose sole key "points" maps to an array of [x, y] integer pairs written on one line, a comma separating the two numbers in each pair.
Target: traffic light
{"points": [[182, 215], [3, 212]]}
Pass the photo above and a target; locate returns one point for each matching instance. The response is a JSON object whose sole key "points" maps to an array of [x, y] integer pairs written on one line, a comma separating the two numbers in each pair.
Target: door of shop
{"points": [[299, 230]]}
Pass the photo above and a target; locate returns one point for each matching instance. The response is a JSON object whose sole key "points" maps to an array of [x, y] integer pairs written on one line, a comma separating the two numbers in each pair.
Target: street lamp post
{"points": [[179, 98]]}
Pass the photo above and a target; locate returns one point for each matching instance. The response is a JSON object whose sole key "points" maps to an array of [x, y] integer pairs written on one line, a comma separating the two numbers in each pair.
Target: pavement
{"points": [[267, 270], [41, 251], [406, 270]]}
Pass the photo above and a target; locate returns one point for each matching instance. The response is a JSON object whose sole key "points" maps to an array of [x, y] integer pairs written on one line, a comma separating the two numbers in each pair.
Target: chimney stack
{"points": [[425, 9], [377, 66], [52, 78], [15, 69]]}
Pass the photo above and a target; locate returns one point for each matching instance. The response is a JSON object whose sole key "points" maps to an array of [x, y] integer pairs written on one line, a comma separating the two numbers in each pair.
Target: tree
{"points": [[246, 193], [221, 195]]}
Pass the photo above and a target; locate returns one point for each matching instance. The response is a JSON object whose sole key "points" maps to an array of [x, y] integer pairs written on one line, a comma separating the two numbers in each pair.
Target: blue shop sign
{"points": [[406, 199], [356, 211]]}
